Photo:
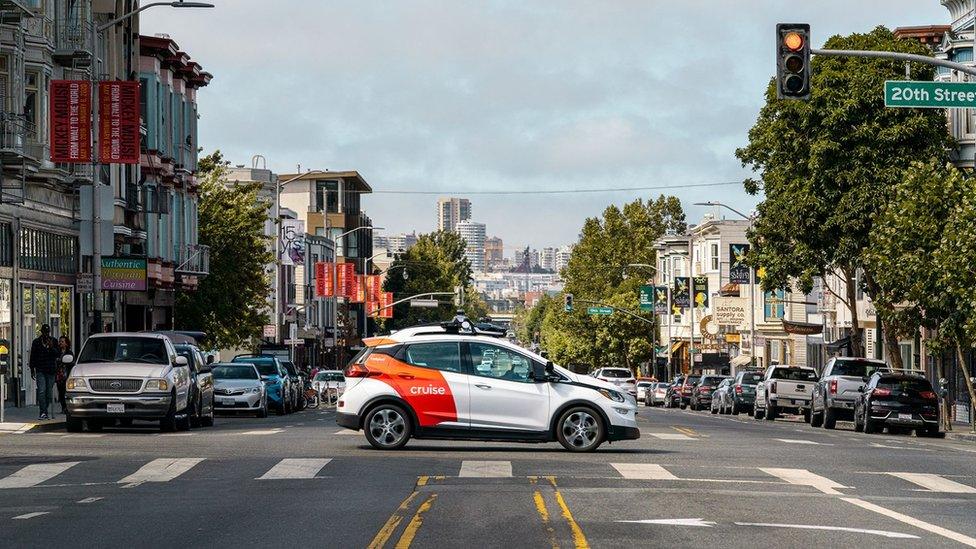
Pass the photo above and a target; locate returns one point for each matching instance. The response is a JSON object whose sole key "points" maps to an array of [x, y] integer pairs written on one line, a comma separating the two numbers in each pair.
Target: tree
{"points": [[231, 302], [828, 166]]}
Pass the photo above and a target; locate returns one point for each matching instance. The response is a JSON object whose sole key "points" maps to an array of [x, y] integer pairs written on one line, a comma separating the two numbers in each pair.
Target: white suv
{"points": [[444, 382]]}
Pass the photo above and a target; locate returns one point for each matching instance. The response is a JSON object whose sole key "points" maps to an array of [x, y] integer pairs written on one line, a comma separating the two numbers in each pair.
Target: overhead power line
{"points": [[562, 191]]}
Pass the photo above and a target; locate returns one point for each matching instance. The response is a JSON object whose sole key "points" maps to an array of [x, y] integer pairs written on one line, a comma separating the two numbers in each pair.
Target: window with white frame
{"points": [[713, 258]]}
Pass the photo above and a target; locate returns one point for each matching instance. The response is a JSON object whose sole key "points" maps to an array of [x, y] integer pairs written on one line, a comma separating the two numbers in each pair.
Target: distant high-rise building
{"points": [[494, 252], [474, 235], [547, 258], [451, 211], [562, 257], [519, 258], [402, 242]]}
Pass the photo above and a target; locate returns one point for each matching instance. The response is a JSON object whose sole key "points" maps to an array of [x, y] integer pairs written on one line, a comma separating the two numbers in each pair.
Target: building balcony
{"points": [[18, 139], [41, 28], [73, 35], [192, 259]]}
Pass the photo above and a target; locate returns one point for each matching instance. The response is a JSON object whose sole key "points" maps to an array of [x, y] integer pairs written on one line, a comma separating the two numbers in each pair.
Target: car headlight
{"points": [[157, 385], [76, 384], [612, 395], [255, 390]]}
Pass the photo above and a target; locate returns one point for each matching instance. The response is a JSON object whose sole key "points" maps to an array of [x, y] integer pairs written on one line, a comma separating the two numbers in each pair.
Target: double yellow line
{"points": [[410, 532], [579, 539]]}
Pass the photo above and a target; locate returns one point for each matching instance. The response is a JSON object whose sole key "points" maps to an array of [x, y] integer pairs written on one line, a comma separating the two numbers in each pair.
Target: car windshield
{"points": [[148, 350], [645, 384], [330, 376], [857, 368], [905, 385], [750, 378], [794, 374], [265, 365], [692, 380], [711, 380], [235, 372], [615, 372]]}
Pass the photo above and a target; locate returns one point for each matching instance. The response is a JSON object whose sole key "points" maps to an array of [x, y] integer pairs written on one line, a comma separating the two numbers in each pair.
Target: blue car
{"points": [[275, 378]]}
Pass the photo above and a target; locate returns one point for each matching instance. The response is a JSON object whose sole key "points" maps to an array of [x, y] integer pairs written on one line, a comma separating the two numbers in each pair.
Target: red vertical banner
{"points": [[324, 286], [118, 122], [372, 307], [386, 300], [374, 287], [359, 289], [69, 105], [346, 286]]}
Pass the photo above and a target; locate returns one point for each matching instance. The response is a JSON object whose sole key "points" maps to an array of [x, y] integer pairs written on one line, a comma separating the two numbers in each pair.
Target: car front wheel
{"points": [[580, 430], [387, 427]]}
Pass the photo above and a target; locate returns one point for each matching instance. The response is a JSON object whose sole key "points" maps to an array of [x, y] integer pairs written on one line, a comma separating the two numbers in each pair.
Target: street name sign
{"points": [[427, 303], [929, 95], [600, 311]]}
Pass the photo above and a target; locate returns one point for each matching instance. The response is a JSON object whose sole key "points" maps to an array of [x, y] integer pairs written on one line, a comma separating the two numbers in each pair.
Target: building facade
{"points": [[494, 252], [451, 211], [473, 234]]}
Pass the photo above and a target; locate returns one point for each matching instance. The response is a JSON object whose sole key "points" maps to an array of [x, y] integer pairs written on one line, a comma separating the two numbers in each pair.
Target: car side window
{"points": [[499, 363], [441, 355]]}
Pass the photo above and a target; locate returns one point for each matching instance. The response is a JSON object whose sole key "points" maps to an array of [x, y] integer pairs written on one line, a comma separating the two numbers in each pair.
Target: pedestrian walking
{"points": [[43, 366], [64, 370]]}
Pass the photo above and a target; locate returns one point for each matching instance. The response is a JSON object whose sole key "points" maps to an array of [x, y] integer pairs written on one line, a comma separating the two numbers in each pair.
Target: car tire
{"points": [[758, 414], [168, 423], [263, 412], [208, 420], [735, 409], [74, 424], [580, 429], [816, 419], [683, 406], [871, 426], [771, 413], [807, 415], [858, 426], [387, 427], [183, 420], [829, 418], [194, 418]]}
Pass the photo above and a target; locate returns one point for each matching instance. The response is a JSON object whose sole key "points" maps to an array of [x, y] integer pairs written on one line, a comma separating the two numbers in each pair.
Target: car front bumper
{"points": [[148, 406], [618, 432], [247, 401]]}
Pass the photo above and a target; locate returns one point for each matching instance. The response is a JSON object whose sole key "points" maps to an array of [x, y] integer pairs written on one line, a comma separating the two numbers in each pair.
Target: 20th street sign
{"points": [[929, 95]]}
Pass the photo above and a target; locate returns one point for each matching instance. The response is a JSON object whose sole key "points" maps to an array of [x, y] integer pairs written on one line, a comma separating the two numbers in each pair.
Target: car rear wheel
{"points": [[757, 413], [387, 427], [858, 426], [208, 420], [580, 430], [829, 418], [870, 426], [263, 412], [771, 412]]}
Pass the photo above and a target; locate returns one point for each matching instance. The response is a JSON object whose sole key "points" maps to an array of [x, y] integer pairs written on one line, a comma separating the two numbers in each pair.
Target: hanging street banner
{"points": [[646, 298], [124, 274], [700, 291], [929, 95], [730, 311], [738, 270], [293, 242], [681, 295], [359, 289], [661, 300], [118, 122], [346, 283], [324, 286], [374, 287], [372, 307], [386, 300], [69, 104]]}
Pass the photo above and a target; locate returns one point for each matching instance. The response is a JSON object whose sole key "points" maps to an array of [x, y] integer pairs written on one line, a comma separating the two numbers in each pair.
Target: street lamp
{"points": [[752, 278], [335, 287], [96, 225]]}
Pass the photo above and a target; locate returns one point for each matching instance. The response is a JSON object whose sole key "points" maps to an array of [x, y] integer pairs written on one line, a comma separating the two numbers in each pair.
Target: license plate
{"points": [[904, 416], [115, 408], [226, 402]]}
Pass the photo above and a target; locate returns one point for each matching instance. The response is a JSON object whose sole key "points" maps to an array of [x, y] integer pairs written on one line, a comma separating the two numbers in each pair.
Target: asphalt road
{"points": [[693, 479]]}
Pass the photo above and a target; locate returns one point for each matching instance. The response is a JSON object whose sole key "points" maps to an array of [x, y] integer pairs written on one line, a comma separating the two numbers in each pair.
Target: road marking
{"points": [[876, 445], [30, 515], [161, 470], [685, 430], [175, 434], [410, 532], [935, 483], [802, 477], [259, 432], [799, 441], [89, 500], [347, 432], [391, 523], [954, 536], [643, 471], [295, 468], [540, 506], [486, 469], [671, 436], [84, 435], [32, 475], [882, 533], [675, 522], [579, 539]]}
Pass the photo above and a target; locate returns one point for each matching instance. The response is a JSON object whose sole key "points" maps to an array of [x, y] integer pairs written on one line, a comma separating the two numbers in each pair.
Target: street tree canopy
{"points": [[828, 165]]}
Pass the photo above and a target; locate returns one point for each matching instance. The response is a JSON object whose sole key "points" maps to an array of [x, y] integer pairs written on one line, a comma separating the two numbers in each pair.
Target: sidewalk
{"points": [[961, 431], [21, 420]]}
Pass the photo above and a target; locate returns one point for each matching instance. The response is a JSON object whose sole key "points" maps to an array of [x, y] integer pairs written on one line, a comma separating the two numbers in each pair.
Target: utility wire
{"points": [[561, 191]]}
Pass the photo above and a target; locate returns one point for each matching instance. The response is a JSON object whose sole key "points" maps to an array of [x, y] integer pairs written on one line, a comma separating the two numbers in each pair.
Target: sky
{"points": [[460, 97]]}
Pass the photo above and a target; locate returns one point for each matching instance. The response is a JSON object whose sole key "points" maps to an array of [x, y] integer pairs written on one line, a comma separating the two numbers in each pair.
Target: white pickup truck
{"points": [[784, 389]]}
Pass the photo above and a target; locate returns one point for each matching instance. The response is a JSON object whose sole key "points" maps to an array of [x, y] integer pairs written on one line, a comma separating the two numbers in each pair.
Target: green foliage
{"points": [[231, 302]]}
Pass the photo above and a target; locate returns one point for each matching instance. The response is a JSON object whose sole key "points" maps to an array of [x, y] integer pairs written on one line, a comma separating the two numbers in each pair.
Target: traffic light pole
{"points": [[966, 69]]}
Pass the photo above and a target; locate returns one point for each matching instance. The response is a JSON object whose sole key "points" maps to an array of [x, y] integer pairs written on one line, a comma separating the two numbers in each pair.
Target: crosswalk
{"points": [[164, 470]]}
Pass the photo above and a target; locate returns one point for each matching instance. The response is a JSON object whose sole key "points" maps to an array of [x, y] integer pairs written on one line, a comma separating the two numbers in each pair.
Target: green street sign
{"points": [[929, 95], [646, 295], [600, 311]]}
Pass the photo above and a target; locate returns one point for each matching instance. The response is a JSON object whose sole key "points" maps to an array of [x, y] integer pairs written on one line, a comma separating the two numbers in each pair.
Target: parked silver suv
{"points": [[837, 391], [120, 377]]}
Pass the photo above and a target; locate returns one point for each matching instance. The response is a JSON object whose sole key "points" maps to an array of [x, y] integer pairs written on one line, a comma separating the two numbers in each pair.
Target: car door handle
{"points": [[481, 386], [405, 376]]}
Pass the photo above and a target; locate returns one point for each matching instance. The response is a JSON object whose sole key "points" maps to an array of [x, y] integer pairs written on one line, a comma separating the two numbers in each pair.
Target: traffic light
{"points": [[568, 302], [793, 61]]}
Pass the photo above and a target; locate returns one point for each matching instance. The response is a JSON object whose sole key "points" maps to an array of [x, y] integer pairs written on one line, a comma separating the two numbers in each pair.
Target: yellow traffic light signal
{"points": [[793, 61]]}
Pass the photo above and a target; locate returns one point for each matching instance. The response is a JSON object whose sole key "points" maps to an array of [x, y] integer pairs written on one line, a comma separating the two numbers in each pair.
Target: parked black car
{"points": [[743, 391], [673, 397], [899, 402], [701, 392]]}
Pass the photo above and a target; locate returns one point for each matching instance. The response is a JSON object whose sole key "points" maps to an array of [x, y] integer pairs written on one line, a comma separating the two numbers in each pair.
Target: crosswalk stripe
{"points": [[671, 436], [347, 432], [796, 441], [35, 474], [295, 468], [161, 470], [261, 432], [935, 483], [30, 515], [802, 477], [643, 471], [485, 469]]}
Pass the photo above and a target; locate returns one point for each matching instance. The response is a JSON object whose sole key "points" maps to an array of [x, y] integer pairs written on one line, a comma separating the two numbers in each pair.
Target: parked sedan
{"points": [[238, 388], [686, 388], [721, 399], [297, 383], [701, 393], [659, 393], [743, 391], [644, 391], [898, 402], [673, 397], [623, 378], [275, 378]]}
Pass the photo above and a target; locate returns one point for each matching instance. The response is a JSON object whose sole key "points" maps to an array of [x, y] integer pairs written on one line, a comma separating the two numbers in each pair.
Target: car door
{"points": [[430, 377], [505, 396], [205, 383]]}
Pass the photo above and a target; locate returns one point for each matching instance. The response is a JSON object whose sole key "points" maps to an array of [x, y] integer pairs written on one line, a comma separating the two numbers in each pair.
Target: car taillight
{"points": [[833, 386], [880, 391], [358, 370], [928, 395], [704, 389], [738, 389]]}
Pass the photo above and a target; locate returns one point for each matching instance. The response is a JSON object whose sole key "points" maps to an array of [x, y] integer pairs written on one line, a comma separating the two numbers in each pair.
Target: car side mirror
{"points": [[67, 359], [181, 361], [860, 389], [550, 368], [210, 359]]}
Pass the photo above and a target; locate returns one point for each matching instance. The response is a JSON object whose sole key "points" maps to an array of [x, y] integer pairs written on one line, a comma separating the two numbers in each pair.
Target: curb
{"points": [[968, 437], [35, 427]]}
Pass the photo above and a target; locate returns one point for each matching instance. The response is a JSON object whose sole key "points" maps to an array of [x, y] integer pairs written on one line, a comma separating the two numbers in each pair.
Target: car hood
{"points": [[120, 369], [236, 383]]}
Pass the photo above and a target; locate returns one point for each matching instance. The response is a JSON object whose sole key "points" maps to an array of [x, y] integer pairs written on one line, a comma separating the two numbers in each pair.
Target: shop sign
{"points": [[85, 283], [730, 311], [738, 270], [124, 274]]}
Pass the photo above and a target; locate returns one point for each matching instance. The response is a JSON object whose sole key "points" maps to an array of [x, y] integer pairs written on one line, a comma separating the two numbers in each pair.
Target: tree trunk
{"points": [[857, 339], [969, 386], [891, 343]]}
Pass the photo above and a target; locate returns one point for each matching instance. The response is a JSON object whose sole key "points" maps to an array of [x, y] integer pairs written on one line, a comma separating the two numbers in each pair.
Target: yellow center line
{"points": [[540, 506], [415, 523], [579, 539], [684, 430], [391, 524]]}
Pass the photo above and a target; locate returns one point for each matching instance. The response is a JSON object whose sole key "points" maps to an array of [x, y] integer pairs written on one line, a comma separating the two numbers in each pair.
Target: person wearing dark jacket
{"points": [[43, 364]]}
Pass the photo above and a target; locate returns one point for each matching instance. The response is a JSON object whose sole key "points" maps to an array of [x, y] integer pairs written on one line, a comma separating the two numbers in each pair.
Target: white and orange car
{"points": [[451, 381]]}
